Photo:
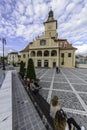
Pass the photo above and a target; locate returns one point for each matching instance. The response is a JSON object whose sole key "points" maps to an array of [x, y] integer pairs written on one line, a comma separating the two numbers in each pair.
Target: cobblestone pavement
{"points": [[70, 85], [25, 116]]}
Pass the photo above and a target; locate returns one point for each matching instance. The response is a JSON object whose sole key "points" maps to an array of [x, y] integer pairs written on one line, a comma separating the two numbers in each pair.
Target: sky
{"points": [[21, 21]]}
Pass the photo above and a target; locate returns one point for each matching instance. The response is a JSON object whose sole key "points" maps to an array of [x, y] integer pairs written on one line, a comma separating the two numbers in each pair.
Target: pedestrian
{"points": [[57, 70], [62, 123], [54, 106]]}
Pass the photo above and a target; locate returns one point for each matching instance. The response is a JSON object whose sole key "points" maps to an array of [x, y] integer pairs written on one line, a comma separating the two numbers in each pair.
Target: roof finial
{"points": [[50, 7], [50, 12]]}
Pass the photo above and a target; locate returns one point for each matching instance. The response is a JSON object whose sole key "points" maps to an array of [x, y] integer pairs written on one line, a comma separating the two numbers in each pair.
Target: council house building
{"points": [[48, 50]]}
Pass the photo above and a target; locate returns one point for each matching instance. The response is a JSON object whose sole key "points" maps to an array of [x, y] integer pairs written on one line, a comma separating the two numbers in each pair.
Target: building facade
{"points": [[13, 58], [48, 50]]}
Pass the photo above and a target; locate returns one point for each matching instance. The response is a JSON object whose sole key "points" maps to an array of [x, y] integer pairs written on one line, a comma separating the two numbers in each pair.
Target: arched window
{"points": [[46, 53], [43, 42], [54, 53], [32, 53], [39, 53]]}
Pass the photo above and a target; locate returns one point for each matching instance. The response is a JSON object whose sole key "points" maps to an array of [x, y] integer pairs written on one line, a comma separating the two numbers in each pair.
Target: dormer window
{"points": [[65, 45], [42, 42]]}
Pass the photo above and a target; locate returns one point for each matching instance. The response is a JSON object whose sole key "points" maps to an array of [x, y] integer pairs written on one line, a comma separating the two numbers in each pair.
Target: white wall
{"points": [[81, 65]]}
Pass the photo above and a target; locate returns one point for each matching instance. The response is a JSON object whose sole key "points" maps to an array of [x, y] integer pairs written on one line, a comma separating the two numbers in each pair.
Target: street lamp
{"points": [[3, 43]]}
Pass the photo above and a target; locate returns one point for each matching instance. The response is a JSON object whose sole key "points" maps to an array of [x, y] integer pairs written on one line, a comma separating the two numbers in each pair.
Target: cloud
{"points": [[82, 49], [22, 21]]}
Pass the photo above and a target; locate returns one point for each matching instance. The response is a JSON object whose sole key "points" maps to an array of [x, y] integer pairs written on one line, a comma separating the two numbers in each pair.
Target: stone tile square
{"points": [[36, 127], [63, 86], [44, 93], [40, 124], [45, 84], [46, 78], [75, 81], [60, 80], [68, 100], [49, 73], [84, 97], [81, 87], [24, 128]]}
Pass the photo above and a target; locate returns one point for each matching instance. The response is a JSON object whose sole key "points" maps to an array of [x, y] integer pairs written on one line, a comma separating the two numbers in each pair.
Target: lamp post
{"points": [[3, 43]]}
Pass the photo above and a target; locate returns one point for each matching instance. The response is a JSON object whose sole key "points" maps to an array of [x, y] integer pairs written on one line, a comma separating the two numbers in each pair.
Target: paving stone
{"points": [[45, 84], [44, 93], [60, 80], [76, 81], [68, 100], [78, 87], [46, 78], [22, 105], [63, 86], [84, 97]]}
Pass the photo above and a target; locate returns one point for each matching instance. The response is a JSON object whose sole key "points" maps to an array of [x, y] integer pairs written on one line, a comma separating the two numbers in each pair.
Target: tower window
{"points": [[42, 42], [62, 54], [24, 55], [69, 54]]}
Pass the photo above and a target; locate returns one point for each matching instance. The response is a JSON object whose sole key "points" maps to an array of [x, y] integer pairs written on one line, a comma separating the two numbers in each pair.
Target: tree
{"points": [[31, 70], [22, 69]]}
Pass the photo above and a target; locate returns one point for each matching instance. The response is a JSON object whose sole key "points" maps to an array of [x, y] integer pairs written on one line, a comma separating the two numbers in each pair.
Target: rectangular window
{"points": [[23, 55], [69, 54], [62, 54], [62, 63]]}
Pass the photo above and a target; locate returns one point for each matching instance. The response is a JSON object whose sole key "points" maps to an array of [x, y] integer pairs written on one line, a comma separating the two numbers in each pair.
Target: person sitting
{"points": [[62, 123], [54, 106], [28, 83], [36, 84], [33, 88]]}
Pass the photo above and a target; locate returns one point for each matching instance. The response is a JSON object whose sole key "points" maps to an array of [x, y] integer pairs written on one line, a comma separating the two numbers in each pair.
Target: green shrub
{"points": [[22, 69], [31, 70]]}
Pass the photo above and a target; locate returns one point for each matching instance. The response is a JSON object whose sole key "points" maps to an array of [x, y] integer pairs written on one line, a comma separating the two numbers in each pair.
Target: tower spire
{"points": [[51, 12]]}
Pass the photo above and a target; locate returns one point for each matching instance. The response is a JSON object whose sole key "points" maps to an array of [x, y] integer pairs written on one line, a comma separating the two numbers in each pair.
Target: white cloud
{"points": [[24, 19], [70, 7], [82, 49]]}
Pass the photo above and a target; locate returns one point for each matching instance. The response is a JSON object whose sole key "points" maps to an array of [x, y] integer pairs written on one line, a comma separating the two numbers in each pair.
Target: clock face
{"points": [[49, 26]]}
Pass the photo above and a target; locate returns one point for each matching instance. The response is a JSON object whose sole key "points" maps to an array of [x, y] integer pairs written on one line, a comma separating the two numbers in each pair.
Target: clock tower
{"points": [[51, 25]]}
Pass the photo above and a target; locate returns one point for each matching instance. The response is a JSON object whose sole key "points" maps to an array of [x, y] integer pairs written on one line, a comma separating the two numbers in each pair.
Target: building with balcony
{"points": [[48, 50]]}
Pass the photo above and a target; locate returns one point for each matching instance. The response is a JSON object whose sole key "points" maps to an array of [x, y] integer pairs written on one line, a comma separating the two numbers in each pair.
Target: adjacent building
{"points": [[48, 50], [81, 59], [13, 58]]}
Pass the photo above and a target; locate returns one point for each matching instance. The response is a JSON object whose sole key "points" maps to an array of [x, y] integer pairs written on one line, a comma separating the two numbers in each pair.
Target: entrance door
{"points": [[46, 63], [54, 64], [39, 63]]}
